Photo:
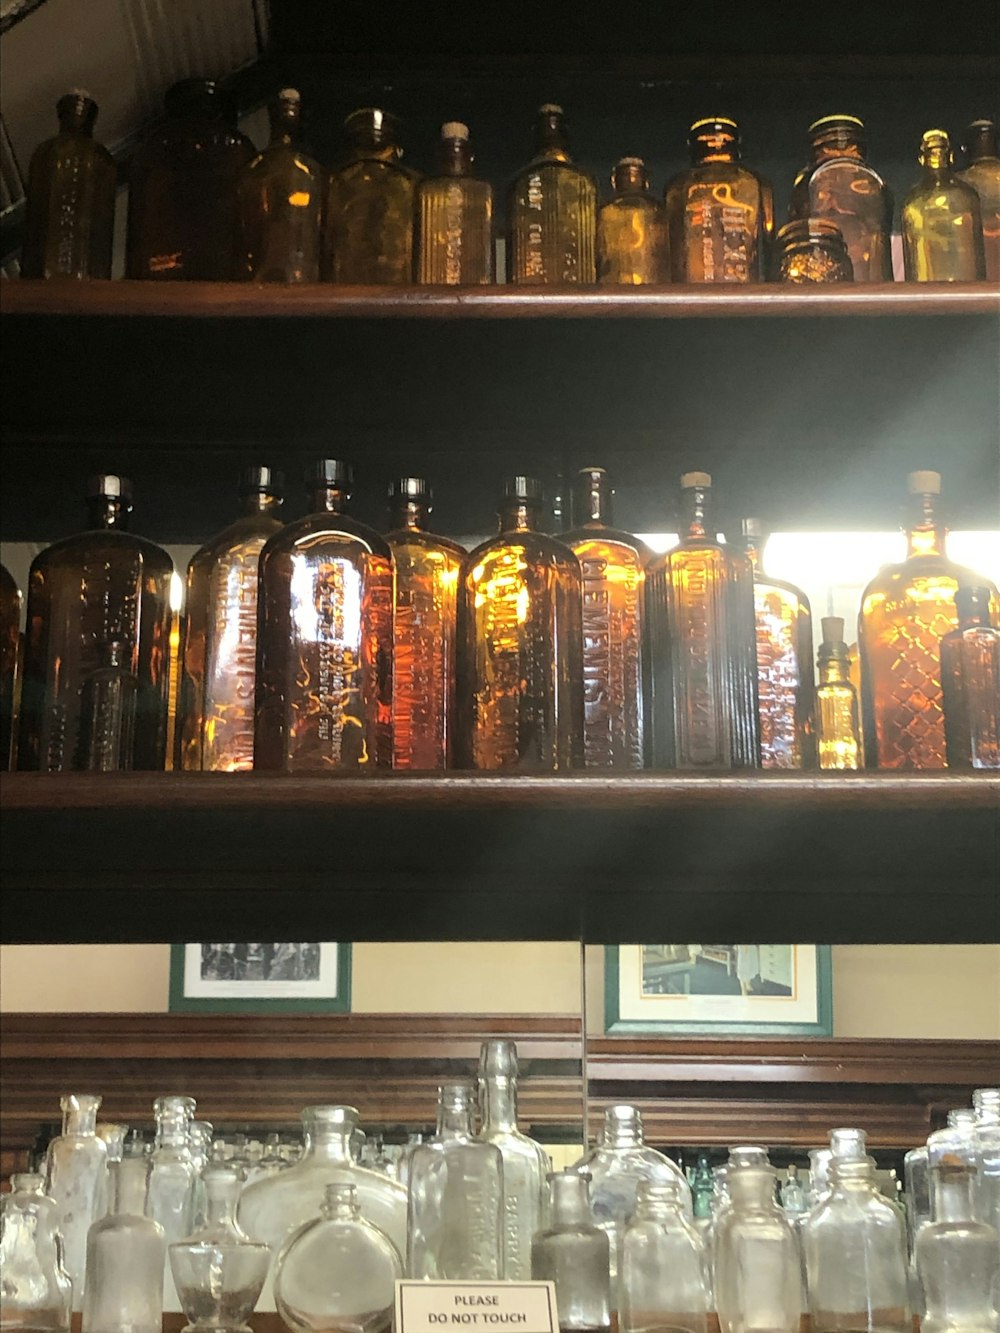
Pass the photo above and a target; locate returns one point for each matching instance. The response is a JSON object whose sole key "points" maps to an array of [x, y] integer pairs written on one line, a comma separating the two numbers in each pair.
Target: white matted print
{"points": [[261, 977]]}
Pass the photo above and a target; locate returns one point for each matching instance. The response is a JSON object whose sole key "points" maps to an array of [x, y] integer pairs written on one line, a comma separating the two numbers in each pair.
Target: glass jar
{"points": [[665, 1280], [573, 1253], [125, 1253], [813, 250], [36, 1294], [757, 1278], [76, 1167]]}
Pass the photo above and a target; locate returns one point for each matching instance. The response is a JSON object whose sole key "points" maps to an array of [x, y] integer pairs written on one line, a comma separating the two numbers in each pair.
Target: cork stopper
{"points": [[289, 95], [631, 162], [550, 109], [833, 629], [691, 479], [924, 483], [110, 485], [454, 129]]}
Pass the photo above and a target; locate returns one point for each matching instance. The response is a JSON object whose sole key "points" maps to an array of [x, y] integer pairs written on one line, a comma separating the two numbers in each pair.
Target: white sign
{"points": [[484, 1307]]}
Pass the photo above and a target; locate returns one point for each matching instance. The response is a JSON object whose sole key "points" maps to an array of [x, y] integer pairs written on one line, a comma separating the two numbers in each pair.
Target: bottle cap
{"points": [[528, 489], [261, 480], [289, 95], [110, 485], [935, 139], [409, 488], [692, 479], [833, 629], [329, 472], [550, 109], [630, 162], [838, 121], [924, 483], [454, 129], [593, 474]]}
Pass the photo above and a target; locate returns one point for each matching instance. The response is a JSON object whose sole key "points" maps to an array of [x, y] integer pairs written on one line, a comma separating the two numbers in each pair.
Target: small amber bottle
{"points": [[941, 220], [812, 250], [551, 212], [970, 678], [631, 230], [454, 217], [69, 223], [838, 736], [982, 153]]}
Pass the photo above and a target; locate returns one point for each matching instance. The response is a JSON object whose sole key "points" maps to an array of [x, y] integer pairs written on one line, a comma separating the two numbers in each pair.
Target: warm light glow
{"points": [[299, 199], [176, 592]]}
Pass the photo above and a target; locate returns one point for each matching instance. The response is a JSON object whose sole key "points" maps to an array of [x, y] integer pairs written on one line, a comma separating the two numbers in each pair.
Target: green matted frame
{"points": [[614, 1023], [340, 1003]]}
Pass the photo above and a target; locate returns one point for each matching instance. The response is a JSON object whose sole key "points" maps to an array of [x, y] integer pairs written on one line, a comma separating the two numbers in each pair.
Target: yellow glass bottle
{"points": [[215, 724], [613, 568], [425, 631], [454, 217], [520, 647], [941, 220], [982, 152], [838, 735], [631, 230], [551, 212]]}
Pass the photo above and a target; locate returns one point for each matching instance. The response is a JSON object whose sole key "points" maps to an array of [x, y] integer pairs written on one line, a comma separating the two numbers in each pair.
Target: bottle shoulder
{"points": [[632, 203], [86, 546], [553, 169], [533, 547], [404, 540], [921, 570], [586, 537], [846, 168], [284, 159], [368, 170], [309, 535], [240, 537]]}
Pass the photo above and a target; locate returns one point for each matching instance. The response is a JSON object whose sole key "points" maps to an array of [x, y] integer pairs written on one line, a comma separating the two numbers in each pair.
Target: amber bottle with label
{"points": [[10, 657], [520, 669], [324, 638], [970, 679], [426, 628], [454, 217], [700, 632], [551, 212], [941, 220], [631, 230], [613, 567], [70, 218], [98, 606], [982, 152], [838, 733], [215, 727]]}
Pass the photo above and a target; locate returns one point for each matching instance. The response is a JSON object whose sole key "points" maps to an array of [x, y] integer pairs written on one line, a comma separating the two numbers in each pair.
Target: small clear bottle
{"points": [[941, 220], [76, 1167], [702, 1188], [757, 1274], [573, 1253], [631, 230], [125, 1254], [665, 1281], [838, 730], [793, 1196], [982, 153], [36, 1293], [454, 217], [970, 683], [173, 1180], [812, 250]]}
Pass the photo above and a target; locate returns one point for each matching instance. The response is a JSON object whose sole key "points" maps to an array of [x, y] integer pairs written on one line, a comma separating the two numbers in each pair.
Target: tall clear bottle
{"points": [[702, 644], [520, 645], [838, 731], [10, 662], [425, 630], [665, 1279], [632, 230], [456, 1213], [76, 1166], [613, 567], [551, 212], [970, 683], [986, 1104], [982, 152], [324, 638], [215, 729], [941, 220], [454, 217], [36, 1293], [573, 1253], [369, 208], [126, 1250], [173, 1181], [757, 1278]]}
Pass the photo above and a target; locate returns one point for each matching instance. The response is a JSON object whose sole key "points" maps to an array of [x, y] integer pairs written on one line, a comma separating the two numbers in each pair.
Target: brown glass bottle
{"points": [[425, 630], [906, 611], [612, 564], [183, 221], [520, 669], [700, 635], [982, 152], [324, 638], [454, 217], [720, 215], [96, 601], [970, 679], [841, 186], [838, 733], [941, 220], [282, 193], [369, 212], [70, 218], [215, 725], [631, 230], [812, 250], [551, 212], [10, 657]]}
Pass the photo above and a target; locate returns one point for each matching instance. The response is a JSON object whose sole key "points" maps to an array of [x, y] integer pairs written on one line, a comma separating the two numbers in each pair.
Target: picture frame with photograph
{"points": [[260, 978], [719, 989]]}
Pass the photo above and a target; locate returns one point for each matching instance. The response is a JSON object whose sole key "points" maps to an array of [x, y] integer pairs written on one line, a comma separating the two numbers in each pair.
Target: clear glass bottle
{"points": [[906, 611], [941, 220], [573, 1253], [456, 1214], [173, 1181], [757, 1277], [76, 1166], [720, 215], [125, 1257], [215, 725], [916, 1174], [369, 208], [551, 212], [838, 733], [632, 230], [271, 1163], [986, 1104], [425, 630], [113, 1137], [87, 592], [793, 1196], [454, 217], [10, 661], [665, 1276], [324, 646], [957, 1258], [702, 1188], [520, 645], [819, 1175], [70, 216], [337, 1273], [842, 187], [282, 193], [812, 250], [702, 644], [982, 152], [970, 682], [36, 1293], [525, 1163]]}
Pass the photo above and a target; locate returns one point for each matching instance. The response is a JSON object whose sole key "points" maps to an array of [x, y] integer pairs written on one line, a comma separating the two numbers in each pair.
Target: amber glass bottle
{"points": [[215, 727], [613, 568], [812, 250], [426, 629], [970, 678], [982, 153], [838, 735], [842, 187], [98, 602], [520, 669], [10, 656], [785, 682], [631, 230], [70, 218], [551, 212], [700, 632], [720, 215], [369, 211], [183, 218], [906, 611], [324, 638], [282, 193], [941, 220], [454, 217]]}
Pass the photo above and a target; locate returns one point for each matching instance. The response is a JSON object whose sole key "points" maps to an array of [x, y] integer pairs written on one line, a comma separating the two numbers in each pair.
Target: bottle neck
{"points": [[592, 500], [696, 508], [630, 178], [551, 141], [221, 1196], [983, 145], [834, 666], [327, 499], [108, 511], [172, 1132], [455, 157], [259, 502], [952, 1191], [840, 142], [519, 516], [409, 513], [340, 1203], [80, 1117], [454, 1120], [500, 1103], [621, 1133], [570, 1199], [328, 1143], [129, 1183], [286, 127], [925, 533], [936, 162], [720, 146]]}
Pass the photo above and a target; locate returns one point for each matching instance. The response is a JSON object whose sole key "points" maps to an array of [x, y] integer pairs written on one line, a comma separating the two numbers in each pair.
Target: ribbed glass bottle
{"points": [[454, 217], [941, 220], [551, 212], [369, 209]]}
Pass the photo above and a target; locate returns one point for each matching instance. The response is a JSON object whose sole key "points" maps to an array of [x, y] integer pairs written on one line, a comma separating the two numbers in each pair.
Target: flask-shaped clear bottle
{"points": [[125, 1253], [36, 1293], [76, 1166], [573, 1253], [665, 1281], [757, 1278]]}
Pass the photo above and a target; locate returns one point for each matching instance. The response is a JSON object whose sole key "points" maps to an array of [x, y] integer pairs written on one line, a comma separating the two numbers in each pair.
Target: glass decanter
{"points": [[338, 1273], [757, 1274], [36, 1293], [664, 1281], [986, 1104], [574, 1254], [10, 660], [456, 1214], [982, 153], [631, 230], [970, 684], [125, 1256], [812, 250], [454, 216], [76, 1167], [551, 212], [173, 1180], [838, 732], [941, 220]]}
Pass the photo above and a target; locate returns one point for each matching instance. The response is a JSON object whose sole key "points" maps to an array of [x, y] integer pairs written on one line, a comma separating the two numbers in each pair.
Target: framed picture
{"points": [[260, 978], [718, 989]]}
